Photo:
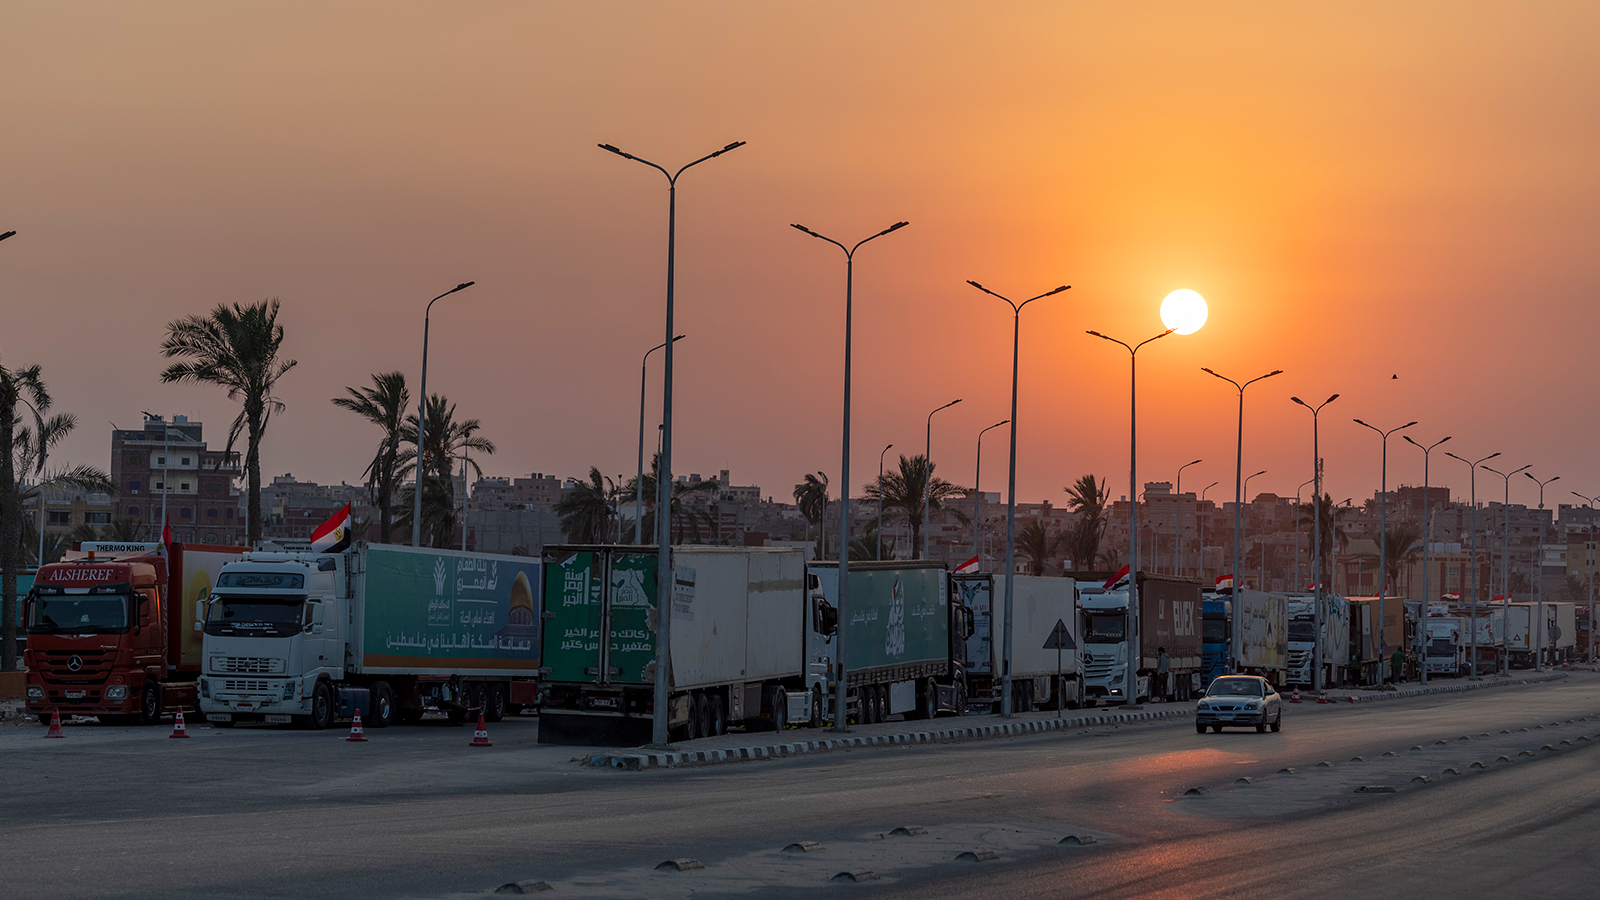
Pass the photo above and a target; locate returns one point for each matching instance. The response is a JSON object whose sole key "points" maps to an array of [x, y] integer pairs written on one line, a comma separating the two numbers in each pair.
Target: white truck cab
{"points": [[1104, 639], [275, 630]]}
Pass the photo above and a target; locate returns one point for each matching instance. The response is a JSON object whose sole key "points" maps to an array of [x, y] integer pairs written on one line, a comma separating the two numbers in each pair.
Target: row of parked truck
{"points": [[130, 632]]}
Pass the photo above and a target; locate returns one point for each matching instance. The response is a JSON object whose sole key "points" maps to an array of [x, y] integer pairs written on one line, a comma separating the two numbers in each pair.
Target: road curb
{"points": [[634, 762], [1453, 688]]}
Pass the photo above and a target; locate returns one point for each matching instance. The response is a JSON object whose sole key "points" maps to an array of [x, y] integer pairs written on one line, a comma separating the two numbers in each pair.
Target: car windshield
{"points": [[255, 616], [78, 614], [1304, 632], [1103, 628], [1235, 687]]}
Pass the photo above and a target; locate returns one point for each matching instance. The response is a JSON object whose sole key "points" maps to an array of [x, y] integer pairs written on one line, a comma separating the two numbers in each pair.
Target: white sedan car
{"points": [[1239, 700]]}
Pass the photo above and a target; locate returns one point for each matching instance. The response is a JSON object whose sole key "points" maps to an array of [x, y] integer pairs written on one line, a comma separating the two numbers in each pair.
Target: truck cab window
{"points": [[256, 616], [78, 614], [1104, 628]]}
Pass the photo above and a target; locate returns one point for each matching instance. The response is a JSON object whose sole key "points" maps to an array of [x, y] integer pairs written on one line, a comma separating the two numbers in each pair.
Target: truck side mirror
{"points": [[827, 618], [967, 622]]}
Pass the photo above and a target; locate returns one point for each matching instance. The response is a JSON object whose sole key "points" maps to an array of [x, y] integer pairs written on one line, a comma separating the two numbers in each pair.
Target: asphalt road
{"points": [[415, 813]]}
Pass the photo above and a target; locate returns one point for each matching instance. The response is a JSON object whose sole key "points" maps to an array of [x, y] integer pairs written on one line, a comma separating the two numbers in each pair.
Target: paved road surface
{"points": [[123, 812]]}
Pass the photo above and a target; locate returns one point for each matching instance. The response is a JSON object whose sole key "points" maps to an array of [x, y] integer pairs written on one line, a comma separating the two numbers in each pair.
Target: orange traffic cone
{"points": [[480, 738], [178, 731], [1322, 695], [55, 724], [356, 734], [1296, 697]]}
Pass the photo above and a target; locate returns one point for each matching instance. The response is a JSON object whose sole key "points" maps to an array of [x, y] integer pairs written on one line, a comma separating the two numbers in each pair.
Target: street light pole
{"points": [[927, 477], [1505, 566], [1472, 637], [880, 499], [977, 493], [1237, 641], [1383, 535], [1316, 541], [1263, 552], [1427, 544], [638, 482], [1135, 654], [422, 421], [1539, 573], [1011, 489], [1177, 531], [1297, 523], [664, 576], [1589, 556], [841, 686], [1200, 524]]}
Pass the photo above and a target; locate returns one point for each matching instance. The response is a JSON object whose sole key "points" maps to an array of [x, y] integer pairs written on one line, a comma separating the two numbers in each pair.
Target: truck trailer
{"points": [[384, 630], [1264, 625], [1169, 617], [905, 639], [1303, 638], [1037, 604], [112, 629], [749, 642]]}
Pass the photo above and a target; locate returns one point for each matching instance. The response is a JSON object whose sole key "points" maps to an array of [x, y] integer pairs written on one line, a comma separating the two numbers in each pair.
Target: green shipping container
{"points": [[578, 618]]}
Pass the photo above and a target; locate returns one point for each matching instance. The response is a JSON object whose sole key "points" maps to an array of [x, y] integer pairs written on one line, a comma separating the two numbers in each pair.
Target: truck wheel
{"points": [[880, 701], [719, 715], [150, 704], [321, 708], [961, 699], [780, 709], [381, 709], [816, 706], [930, 700], [869, 705], [699, 716], [494, 702]]}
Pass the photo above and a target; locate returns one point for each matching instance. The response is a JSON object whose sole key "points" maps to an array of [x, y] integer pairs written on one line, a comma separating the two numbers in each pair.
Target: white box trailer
{"points": [[1038, 603], [1264, 626]]}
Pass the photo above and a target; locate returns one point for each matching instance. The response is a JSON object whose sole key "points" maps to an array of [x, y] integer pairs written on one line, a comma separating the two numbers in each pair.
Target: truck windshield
{"points": [[77, 614], [1214, 631], [1104, 628], [1303, 632], [1441, 647], [255, 616]]}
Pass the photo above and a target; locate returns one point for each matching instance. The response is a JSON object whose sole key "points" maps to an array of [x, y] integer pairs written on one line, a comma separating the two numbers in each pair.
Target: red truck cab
{"points": [[98, 641]]}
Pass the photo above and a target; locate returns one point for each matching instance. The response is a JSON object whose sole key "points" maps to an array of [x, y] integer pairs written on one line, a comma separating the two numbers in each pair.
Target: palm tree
{"points": [[18, 387], [907, 490], [125, 531], [384, 405], [864, 546], [811, 496], [1037, 544], [447, 441], [1089, 500], [689, 504], [587, 512], [236, 348], [1402, 545]]}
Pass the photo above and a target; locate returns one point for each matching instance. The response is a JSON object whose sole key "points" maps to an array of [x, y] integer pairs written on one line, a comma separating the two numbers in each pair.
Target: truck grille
{"points": [[1099, 667], [242, 686], [246, 665], [91, 666]]}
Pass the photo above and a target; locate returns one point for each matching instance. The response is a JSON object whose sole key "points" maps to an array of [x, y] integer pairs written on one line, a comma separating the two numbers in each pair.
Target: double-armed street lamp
{"points": [[1427, 544], [840, 713], [885, 449], [422, 417], [1316, 540], [664, 580], [1135, 654], [1383, 534], [1011, 489], [1299, 518], [1505, 564], [977, 493], [1588, 552], [927, 477], [1539, 625], [1177, 531], [1472, 636], [1238, 500], [638, 482]]}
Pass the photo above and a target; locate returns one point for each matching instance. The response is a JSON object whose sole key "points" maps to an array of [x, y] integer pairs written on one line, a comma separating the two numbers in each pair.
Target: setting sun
{"points": [[1184, 311]]}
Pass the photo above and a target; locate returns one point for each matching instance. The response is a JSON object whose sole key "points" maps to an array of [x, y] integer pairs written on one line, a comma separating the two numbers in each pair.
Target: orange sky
{"points": [[1360, 190]]}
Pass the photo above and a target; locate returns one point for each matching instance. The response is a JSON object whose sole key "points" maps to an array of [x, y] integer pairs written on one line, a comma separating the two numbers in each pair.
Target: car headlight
{"points": [[1203, 705], [1253, 704], [118, 692], [35, 692]]}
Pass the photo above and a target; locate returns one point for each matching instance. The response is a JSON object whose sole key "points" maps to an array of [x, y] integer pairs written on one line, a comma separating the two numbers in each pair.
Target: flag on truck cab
{"points": [[1224, 582], [333, 535], [1119, 580], [970, 565]]}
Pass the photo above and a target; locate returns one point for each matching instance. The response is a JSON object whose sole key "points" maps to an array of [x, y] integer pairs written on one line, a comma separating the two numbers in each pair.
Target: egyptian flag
{"points": [[333, 536], [166, 539], [1224, 583], [970, 565], [1118, 581]]}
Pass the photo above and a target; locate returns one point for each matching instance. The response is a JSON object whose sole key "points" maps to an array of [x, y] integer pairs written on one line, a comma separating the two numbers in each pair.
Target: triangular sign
{"points": [[1060, 638]]}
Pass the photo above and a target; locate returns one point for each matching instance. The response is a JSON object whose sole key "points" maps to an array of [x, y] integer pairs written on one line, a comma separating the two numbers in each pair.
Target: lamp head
{"points": [[6, 235], [733, 146], [1301, 402], [679, 338], [616, 151], [463, 286], [1064, 287]]}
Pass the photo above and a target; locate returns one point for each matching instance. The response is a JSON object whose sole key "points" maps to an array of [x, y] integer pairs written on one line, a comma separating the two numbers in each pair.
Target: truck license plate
{"points": [[75, 695], [218, 717], [279, 719], [244, 706]]}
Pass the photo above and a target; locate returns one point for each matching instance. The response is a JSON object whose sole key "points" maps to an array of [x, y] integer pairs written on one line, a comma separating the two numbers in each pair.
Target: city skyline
{"points": [[1367, 211]]}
